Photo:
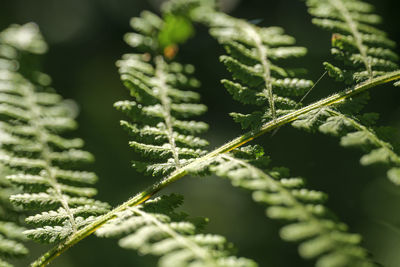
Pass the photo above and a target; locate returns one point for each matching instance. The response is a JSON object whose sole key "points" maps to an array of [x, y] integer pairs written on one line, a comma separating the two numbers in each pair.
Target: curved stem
{"points": [[262, 53], [237, 142], [41, 133], [166, 104]]}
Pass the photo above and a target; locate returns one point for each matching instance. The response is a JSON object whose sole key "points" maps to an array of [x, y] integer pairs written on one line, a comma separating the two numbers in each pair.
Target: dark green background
{"points": [[85, 38]]}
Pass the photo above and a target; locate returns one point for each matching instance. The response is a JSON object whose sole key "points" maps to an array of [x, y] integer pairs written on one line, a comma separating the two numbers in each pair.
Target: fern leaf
{"points": [[11, 248], [163, 101], [24, 38], [321, 235], [365, 51], [156, 228], [11, 231], [11, 239], [32, 119], [354, 133], [253, 56], [362, 59], [12, 39]]}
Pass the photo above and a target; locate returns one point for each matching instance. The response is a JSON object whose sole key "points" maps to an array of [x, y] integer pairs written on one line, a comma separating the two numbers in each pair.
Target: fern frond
{"points": [[22, 37], [12, 39], [364, 51], [166, 138], [156, 228], [363, 59], [11, 239], [321, 235], [353, 132], [32, 119], [162, 134], [253, 56], [11, 231]]}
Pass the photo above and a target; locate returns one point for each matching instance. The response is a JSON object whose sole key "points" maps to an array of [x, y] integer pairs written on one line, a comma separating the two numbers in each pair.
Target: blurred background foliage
{"points": [[85, 38]]}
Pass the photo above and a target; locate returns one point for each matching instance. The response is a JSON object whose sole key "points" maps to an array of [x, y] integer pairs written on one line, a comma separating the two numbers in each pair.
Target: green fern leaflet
{"points": [[44, 164]]}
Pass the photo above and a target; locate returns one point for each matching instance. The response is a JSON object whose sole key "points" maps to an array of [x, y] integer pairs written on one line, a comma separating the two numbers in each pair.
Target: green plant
{"points": [[36, 160]]}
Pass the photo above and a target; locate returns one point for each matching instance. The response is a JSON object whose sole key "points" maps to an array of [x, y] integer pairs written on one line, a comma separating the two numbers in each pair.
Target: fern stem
{"points": [[354, 30], [40, 131], [166, 103], [262, 53], [371, 135], [179, 173]]}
